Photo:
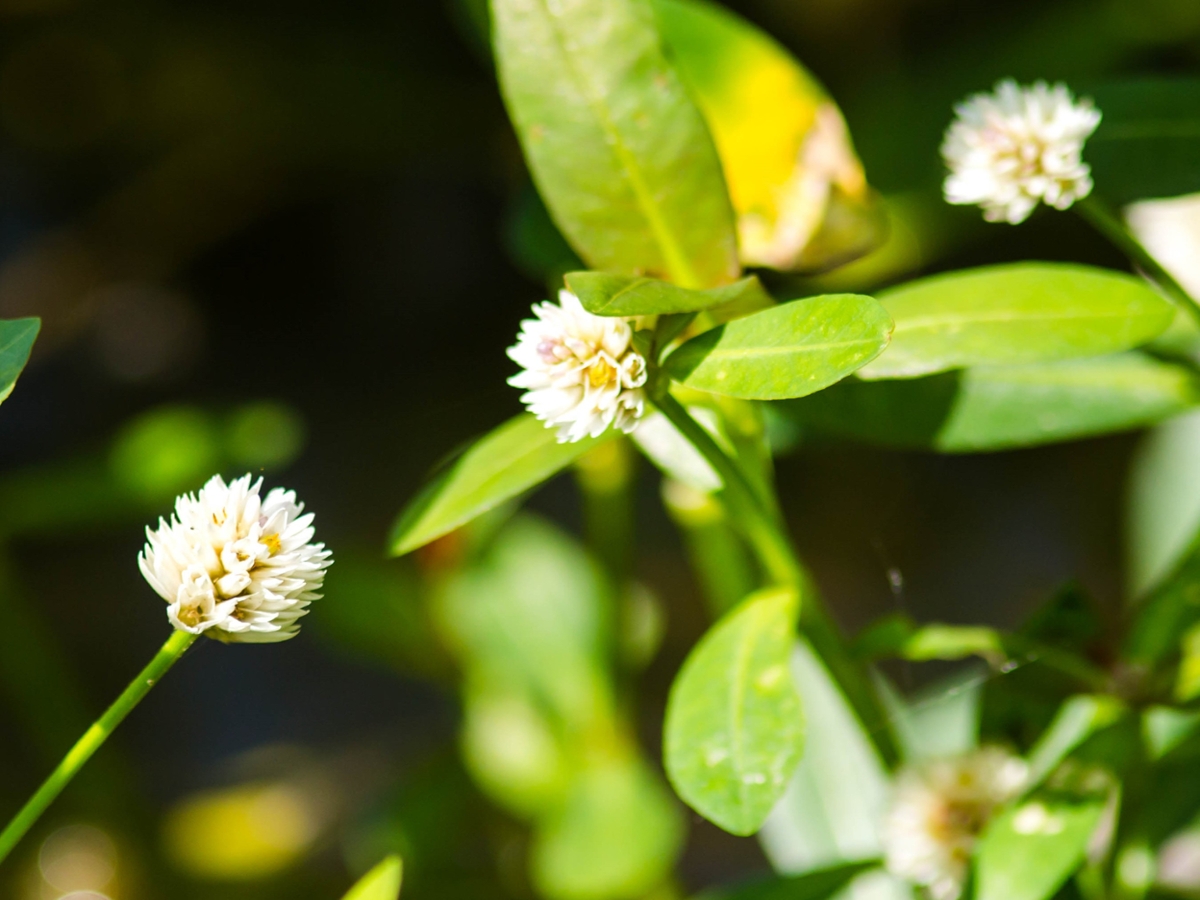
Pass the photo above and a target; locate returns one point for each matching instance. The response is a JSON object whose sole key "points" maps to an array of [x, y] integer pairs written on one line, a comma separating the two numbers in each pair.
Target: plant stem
{"points": [[92, 739], [774, 550], [1103, 219]]}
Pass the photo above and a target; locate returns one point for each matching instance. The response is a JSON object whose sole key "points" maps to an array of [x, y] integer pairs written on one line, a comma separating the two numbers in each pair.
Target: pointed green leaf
{"points": [[615, 144], [1148, 140], [1016, 313], [381, 883], [995, 408], [1027, 852], [621, 295], [790, 350], [16, 340], [517, 456], [734, 728], [1077, 720]]}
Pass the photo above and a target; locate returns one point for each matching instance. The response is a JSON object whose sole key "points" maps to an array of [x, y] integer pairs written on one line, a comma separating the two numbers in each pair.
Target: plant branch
{"points": [[92, 740]]}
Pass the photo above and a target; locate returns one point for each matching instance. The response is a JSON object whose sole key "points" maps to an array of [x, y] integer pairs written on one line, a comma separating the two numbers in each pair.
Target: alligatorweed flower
{"points": [[938, 811], [580, 371], [1018, 146], [235, 565]]}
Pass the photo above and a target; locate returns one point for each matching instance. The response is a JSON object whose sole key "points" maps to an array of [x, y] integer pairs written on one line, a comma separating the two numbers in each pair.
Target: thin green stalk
{"points": [[1103, 219], [92, 739], [774, 551]]}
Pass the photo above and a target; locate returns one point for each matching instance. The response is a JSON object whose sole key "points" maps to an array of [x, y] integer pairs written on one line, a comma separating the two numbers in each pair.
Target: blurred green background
{"points": [[296, 239]]}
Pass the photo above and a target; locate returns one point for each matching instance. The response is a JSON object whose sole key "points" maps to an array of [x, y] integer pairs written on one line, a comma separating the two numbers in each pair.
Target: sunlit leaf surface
{"points": [[16, 340]]}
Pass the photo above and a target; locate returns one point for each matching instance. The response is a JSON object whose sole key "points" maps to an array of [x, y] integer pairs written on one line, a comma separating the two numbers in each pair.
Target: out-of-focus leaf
{"points": [[816, 885], [1167, 615], [1163, 506], [503, 464], [1078, 719], [948, 642], [534, 607], [165, 452], [1148, 140], [941, 720], [617, 835], [799, 191], [835, 801], [619, 151], [623, 295], [790, 350], [1027, 852], [16, 341], [264, 435], [674, 454], [734, 728], [1164, 728], [996, 408], [1016, 313], [1187, 683], [381, 883]]}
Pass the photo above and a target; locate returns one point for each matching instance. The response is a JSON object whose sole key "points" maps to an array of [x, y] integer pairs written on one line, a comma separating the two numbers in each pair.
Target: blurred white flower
{"points": [[235, 565], [581, 372], [938, 811], [1170, 230], [1010, 149]]}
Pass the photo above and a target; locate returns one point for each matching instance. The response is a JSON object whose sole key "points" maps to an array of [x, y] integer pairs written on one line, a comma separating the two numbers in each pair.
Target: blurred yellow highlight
{"points": [[241, 833]]}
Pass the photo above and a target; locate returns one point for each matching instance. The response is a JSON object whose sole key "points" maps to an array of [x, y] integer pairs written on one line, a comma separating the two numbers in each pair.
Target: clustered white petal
{"points": [[1017, 146], [235, 565], [938, 811], [580, 371]]}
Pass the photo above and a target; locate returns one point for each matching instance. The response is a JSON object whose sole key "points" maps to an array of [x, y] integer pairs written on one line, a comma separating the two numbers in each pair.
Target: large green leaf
{"points": [[617, 835], [623, 295], [831, 811], [517, 456], [996, 408], [1027, 852], [16, 340], [1016, 313], [816, 885], [1148, 140], [734, 728], [381, 883], [619, 151], [790, 350]]}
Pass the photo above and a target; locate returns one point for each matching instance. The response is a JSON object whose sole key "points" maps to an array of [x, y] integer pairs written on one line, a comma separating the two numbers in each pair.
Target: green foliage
{"points": [[1016, 313], [1080, 718], [502, 465], [1002, 407], [734, 729], [1148, 140], [621, 295], [166, 451], [1027, 852], [16, 341], [619, 152], [816, 885], [381, 883], [941, 720], [790, 350]]}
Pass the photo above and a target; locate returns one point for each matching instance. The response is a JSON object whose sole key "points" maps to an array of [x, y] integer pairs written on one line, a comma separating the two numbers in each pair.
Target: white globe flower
{"points": [[939, 809], [234, 565], [580, 371], [1011, 149]]}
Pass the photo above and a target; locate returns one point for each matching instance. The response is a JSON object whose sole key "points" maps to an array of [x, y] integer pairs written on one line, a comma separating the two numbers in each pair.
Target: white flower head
{"points": [[939, 809], [1018, 146], [581, 373], [235, 565]]}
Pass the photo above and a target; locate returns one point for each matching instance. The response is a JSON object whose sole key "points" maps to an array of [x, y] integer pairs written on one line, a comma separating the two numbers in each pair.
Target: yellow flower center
{"points": [[600, 373], [271, 542]]}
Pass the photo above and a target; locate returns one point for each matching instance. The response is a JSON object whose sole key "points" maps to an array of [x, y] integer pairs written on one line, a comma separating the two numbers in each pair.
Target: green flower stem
{"points": [[1101, 217], [92, 739], [765, 532]]}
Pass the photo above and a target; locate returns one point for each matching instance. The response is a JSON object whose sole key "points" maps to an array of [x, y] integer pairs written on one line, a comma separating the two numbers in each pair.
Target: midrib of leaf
{"points": [[18, 336], [677, 262], [737, 712], [625, 290], [739, 352]]}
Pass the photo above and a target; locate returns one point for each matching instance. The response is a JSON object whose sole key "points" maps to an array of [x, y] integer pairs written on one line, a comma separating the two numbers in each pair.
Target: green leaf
{"points": [[1016, 313], [517, 456], [16, 340], [815, 885], [618, 150], [1078, 719], [734, 728], [941, 720], [1187, 682], [1026, 853], [621, 295], [997, 408], [950, 642], [835, 801], [1163, 505], [790, 350], [1148, 140], [617, 835], [1167, 615], [1164, 728], [381, 883]]}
